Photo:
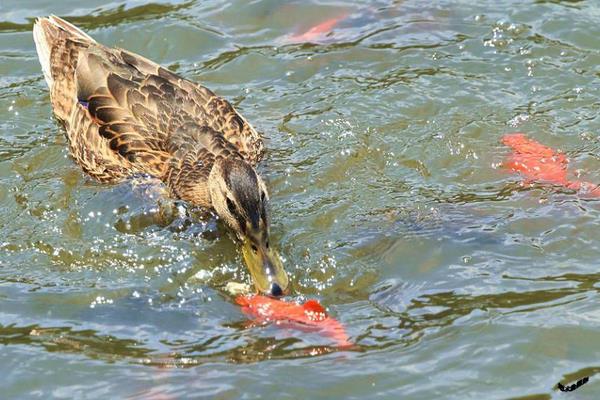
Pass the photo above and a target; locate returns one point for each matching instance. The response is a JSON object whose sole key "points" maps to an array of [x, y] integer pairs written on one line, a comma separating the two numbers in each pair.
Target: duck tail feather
{"points": [[50, 34]]}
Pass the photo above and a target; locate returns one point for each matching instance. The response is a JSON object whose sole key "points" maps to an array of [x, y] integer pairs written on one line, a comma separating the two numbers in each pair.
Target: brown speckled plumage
{"points": [[140, 117], [127, 115]]}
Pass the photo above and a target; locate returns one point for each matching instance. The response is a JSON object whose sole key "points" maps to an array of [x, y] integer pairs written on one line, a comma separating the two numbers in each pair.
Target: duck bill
{"points": [[265, 268]]}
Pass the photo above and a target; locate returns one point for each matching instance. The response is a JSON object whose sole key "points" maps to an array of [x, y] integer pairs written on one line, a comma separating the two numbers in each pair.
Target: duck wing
{"points": [[125, 114], [164, 105]]}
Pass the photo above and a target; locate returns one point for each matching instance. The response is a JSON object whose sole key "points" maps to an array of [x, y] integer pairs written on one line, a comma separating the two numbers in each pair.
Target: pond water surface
{"points": [[383, 128]]}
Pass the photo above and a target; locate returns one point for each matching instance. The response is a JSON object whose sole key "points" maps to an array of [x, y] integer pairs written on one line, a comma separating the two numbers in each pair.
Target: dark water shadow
{"points": [[110, 349], [413, 322]]}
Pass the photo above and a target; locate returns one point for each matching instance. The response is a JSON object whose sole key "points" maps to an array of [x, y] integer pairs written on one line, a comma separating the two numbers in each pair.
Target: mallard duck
{"points": [[125, 115]]}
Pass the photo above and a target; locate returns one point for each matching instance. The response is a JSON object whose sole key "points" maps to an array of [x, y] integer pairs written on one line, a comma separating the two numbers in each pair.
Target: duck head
{"points": [[240, 198]]}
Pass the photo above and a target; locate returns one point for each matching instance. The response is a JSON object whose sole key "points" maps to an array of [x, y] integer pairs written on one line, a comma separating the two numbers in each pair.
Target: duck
{"points": [[125, 115]]}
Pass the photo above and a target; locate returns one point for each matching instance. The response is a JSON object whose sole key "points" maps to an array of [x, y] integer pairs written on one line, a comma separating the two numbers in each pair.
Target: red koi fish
{"points": [[310, 315], [539, 163], [317, 31]]}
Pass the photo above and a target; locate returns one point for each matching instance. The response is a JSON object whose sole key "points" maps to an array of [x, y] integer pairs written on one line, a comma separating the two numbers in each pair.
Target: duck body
{"points": [[126, 115]]}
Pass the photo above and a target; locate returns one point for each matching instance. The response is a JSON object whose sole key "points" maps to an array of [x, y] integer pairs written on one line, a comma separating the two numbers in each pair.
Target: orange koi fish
{"points": [[539, 163], [318, 30], [310, 315]]}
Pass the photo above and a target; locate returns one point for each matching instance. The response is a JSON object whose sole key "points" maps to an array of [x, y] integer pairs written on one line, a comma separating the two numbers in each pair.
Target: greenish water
{"points": [[388, 206]]}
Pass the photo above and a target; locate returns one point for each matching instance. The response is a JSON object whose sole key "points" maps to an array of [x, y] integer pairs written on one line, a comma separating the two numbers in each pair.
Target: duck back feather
{"points": [[125, 114]]}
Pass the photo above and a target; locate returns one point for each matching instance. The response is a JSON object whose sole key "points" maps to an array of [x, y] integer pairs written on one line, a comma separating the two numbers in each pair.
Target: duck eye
{"points": [[267, 244], [263, 196], [254, 249], [231, 206]]}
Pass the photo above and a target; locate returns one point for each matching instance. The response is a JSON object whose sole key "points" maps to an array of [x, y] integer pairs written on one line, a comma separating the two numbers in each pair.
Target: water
{"points": [[388, 206]]}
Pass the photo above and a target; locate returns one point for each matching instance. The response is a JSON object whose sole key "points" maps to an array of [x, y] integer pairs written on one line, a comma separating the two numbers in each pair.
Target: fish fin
{"points": [[243, 301], [314, 306]]}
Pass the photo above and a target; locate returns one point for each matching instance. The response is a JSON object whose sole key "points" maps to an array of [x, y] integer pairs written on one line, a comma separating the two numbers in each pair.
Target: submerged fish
{"points": [[317, 31], [310, 315], [539, 163]]}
